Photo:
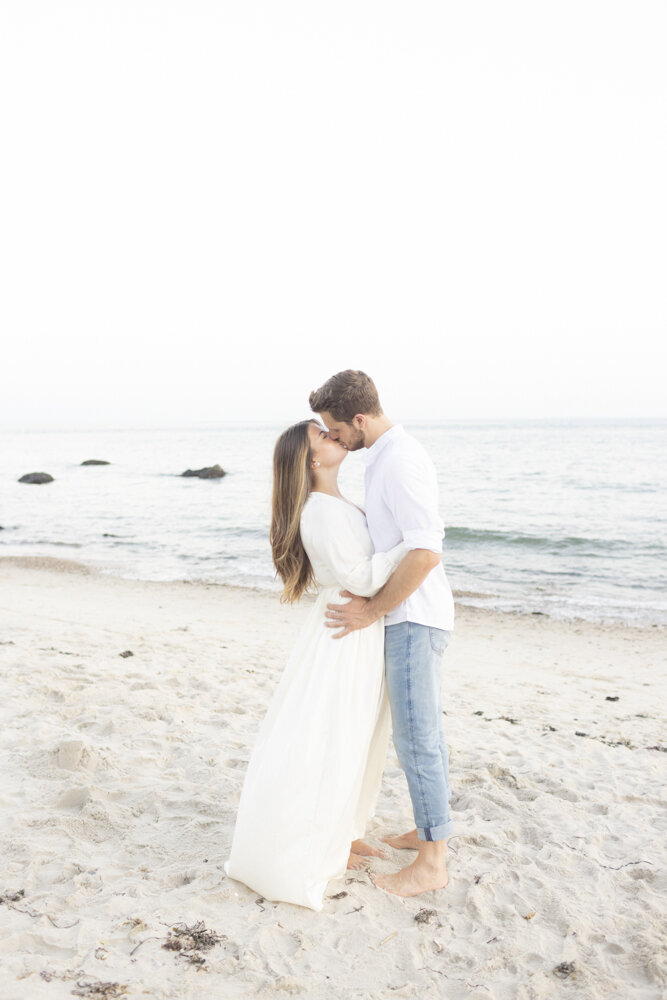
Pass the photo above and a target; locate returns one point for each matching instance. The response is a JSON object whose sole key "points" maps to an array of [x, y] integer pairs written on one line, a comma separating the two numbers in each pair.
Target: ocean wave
{"points": [[609, 486], [566, 517], [553, 543], [44, 541]]}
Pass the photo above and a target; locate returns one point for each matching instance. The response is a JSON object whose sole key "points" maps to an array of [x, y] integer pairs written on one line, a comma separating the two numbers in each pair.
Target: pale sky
{"points": [[210, 207]]}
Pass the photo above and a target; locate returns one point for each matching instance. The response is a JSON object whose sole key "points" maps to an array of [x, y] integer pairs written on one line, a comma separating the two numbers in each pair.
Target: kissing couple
{"points": [[313, 780]]}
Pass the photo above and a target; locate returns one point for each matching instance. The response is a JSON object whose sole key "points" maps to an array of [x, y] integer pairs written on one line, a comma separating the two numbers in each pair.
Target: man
{"points": [[402, 504]]}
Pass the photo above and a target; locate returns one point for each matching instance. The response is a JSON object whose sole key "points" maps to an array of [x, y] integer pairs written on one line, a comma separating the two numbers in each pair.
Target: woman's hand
{"points": [[349, 617]]}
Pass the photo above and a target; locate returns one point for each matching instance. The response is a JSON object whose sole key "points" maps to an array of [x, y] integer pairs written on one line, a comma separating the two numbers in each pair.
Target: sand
{"points": [[121, 774]]}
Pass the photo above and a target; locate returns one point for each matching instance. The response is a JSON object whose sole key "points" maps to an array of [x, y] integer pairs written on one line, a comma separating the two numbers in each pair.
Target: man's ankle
{"points": [[434, 852]]}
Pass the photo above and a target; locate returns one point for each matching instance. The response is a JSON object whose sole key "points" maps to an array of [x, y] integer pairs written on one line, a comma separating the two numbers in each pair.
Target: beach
{"points": [[129, 711]]}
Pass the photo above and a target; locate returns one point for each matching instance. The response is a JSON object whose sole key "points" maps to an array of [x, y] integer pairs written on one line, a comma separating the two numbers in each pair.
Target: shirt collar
{"points": [[370, 454]]}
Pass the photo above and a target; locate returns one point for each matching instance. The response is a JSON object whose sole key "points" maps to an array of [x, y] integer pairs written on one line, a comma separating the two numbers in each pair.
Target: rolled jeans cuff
{"points": [[436, 832]]}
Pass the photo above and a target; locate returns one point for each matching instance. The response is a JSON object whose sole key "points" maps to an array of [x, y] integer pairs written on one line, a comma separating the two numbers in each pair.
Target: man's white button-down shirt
{"points": [[402, 505]]}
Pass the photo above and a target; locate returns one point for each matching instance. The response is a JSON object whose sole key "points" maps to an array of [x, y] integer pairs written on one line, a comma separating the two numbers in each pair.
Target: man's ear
{"points": [[359, 421]]}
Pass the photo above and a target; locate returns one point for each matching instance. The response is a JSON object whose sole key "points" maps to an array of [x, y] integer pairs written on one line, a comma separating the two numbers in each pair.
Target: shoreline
{"points": [[53, 564]]}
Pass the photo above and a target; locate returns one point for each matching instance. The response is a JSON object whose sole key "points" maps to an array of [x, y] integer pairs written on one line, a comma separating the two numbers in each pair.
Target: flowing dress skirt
{"points": [[314, 775]]}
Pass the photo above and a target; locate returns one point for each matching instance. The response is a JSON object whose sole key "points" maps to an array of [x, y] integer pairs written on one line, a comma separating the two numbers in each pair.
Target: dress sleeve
{"points": [[330, 539]]}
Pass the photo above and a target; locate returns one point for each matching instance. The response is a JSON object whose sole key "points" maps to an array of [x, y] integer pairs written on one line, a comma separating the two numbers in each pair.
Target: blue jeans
{"points": [[413, 664]]}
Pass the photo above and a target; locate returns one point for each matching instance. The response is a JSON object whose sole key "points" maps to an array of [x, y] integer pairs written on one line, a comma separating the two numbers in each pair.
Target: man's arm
{"points": [[360, 612]]}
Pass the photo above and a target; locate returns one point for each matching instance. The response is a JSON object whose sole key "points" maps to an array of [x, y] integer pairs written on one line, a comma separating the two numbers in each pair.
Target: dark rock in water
{"points": [[36, 477], [95, 461], [210, 472]]}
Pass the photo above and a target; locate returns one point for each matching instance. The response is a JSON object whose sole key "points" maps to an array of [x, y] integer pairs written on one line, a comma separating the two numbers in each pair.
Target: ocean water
{"points": [[564, 518]]}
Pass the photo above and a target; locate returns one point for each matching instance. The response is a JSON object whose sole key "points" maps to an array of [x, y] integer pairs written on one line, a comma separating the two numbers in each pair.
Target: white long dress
{"points": [[314, 775]]}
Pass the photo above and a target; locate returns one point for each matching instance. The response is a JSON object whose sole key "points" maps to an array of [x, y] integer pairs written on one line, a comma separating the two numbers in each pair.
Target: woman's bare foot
{"points": [[359, 847], [416, 878], [405, 842]]}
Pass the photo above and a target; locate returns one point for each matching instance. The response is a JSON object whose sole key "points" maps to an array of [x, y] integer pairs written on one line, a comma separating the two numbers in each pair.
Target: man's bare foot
{"points": [[359, 847], [416, 878], [405, 842], [356, 862]]}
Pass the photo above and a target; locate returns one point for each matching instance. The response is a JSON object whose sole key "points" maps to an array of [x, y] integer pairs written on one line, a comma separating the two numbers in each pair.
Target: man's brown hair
{"points": [[345, 394]]}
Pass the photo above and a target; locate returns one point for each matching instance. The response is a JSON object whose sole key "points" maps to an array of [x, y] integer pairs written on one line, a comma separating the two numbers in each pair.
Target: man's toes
{"points": [[382, 882]]}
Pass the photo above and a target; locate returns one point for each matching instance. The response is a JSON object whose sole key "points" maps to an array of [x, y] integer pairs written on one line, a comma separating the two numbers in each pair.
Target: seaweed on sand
{"points": [[96, 990], [190, 941]]}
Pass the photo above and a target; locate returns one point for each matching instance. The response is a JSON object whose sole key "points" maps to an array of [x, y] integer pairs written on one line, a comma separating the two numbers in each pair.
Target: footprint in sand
{"points": [[74, 755], [234, 762], [74, 798], [70, 753], [613, 949], [641, 874]]}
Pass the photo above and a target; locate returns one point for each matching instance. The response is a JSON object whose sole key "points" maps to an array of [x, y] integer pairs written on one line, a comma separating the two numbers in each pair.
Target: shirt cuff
{"points": [[431, 540]]}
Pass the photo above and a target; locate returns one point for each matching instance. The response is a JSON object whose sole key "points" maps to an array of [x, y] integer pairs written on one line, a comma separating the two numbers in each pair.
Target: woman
{"points": [[314, 775]]}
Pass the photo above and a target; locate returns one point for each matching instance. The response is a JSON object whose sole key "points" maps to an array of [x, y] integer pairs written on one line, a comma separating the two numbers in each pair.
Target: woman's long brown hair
{"points": [[292, 482]]}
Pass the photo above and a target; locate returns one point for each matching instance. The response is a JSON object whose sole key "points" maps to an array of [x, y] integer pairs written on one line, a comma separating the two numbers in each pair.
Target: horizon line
{"points": [[139, 425]]}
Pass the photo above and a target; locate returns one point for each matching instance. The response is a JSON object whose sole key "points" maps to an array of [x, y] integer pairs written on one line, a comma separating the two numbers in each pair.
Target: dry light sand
{"points": [[121, 775]]}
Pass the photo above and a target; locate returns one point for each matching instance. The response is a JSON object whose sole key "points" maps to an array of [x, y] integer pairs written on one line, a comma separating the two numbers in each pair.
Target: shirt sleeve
{"points": [[331, 540], [412, 497]]}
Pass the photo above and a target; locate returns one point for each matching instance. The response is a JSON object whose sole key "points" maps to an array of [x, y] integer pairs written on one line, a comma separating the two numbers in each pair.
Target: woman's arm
{"points": [[330, 538]]}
